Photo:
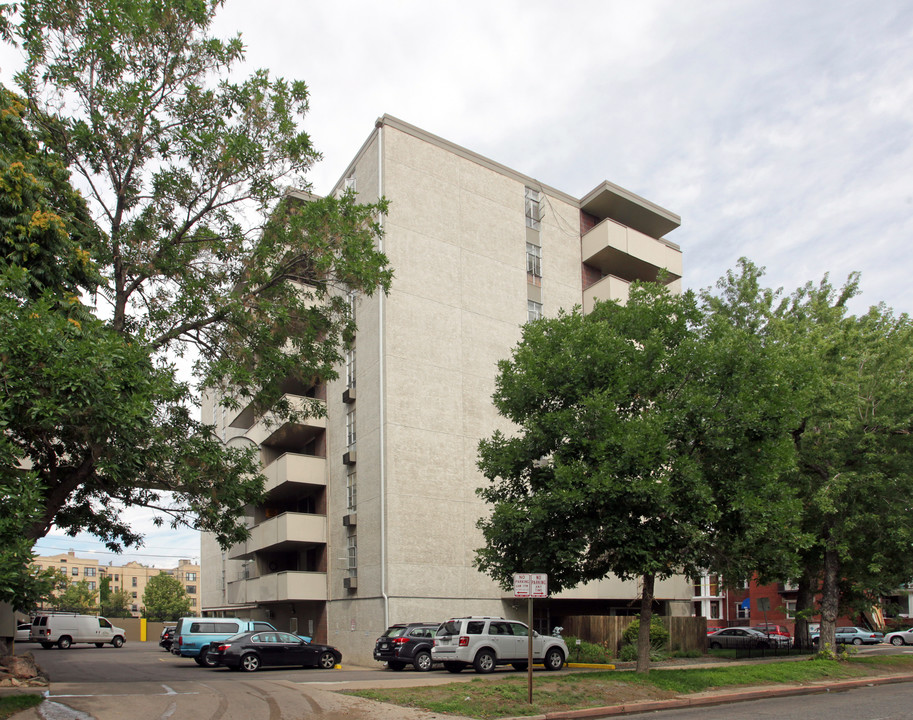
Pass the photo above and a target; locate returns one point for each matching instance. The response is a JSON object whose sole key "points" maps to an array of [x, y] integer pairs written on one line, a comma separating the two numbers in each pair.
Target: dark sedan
{"points": [[167, 638], [252, 650]]}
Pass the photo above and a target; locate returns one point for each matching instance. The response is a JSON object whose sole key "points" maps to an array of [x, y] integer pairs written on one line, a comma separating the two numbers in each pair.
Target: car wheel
{"points": [[857, 641], [250, 662], [554, 659], [208, 657], [453, 667], [519, 666], [47, 645], [484, 662], [395, 665], [715, 646], [64, 642], [99, 644], [198, 660], [422, 661], [327, 660], [118, 641], [897, 641]]}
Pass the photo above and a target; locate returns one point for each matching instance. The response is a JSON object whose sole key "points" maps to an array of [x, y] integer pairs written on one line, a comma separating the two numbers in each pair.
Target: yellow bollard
{"points": [[142, 630]]}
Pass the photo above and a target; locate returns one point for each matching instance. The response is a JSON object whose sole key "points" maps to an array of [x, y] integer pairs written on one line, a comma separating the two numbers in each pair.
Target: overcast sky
{"points": [[780, 131]]}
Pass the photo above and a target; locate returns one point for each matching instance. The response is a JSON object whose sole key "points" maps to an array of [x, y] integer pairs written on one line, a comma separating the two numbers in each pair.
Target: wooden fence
{"points": [[685, 633]]}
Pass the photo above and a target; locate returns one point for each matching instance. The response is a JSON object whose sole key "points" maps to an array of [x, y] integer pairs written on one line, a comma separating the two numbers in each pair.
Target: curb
{"points": [[718, 698]]}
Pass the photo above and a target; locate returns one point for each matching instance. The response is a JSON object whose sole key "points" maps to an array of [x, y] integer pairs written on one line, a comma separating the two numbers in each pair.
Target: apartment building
{"points": [[132, 576], [371, 512]]}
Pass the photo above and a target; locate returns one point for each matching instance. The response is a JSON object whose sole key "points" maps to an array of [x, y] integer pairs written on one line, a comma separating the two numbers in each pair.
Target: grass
{"points": [[12, 704], [506, 695]]}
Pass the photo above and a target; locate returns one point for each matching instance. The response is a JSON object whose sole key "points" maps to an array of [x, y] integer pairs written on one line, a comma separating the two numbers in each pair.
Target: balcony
{"points": [[269, 430], [609, 288], [279, 587], [286, 475], [628, 254], [288, 531]]}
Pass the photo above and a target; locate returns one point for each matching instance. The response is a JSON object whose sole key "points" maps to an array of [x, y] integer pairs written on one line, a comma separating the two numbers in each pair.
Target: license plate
{"points": [[384, 646]]}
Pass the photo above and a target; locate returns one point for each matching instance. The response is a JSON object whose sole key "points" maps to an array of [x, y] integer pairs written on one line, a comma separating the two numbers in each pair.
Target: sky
{"points": [[778, 131]]}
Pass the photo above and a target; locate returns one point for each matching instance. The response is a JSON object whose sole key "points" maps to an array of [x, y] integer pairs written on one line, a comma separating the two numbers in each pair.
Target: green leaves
{"points": [[647, 433], [165, 598], [191, 245]]}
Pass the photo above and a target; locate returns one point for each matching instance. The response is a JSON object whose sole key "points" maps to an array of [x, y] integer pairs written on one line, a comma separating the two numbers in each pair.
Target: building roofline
{"points": [[645, 215]]}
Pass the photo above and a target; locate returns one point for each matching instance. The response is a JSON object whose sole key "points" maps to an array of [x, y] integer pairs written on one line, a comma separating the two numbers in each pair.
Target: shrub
{"points": [[659, 635], [587, 652]]}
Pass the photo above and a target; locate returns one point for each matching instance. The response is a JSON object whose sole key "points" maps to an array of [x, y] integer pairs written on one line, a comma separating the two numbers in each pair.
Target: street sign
{"points": [[530, 585]]}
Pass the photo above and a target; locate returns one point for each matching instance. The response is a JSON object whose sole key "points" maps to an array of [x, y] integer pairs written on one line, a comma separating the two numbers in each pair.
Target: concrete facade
{"points": [[477, 249]]}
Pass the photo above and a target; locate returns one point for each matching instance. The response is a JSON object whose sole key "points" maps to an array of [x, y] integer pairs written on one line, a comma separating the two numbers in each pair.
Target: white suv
{"points": [[485, 642]]}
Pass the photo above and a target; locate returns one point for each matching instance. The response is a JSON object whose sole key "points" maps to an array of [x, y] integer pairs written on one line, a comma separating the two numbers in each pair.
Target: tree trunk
{"points": [[646, 616], [830, 600], [805, 604]]}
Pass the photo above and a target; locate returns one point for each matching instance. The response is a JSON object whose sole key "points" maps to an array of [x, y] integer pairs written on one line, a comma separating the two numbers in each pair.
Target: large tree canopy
{"points": [[853, 438], [189, 245], [649, 442]]}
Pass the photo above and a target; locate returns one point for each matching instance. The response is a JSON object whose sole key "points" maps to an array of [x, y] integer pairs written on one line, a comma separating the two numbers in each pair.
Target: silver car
{"points": [[900, 637], [486, 642], [738, 638]]}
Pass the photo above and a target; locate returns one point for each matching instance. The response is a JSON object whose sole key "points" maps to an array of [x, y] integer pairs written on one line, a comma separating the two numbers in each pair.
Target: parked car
{"points": [[485, 642], [738, 638], [22, 632], [778, 635], [853, 635], [167, 637], [406, 644], [713, 628], [252, 650], [64, 629], [900, 637], [197, 637]]}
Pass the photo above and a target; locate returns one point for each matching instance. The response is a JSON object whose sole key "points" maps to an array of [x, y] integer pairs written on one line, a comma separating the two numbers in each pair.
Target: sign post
{"points": [[529, 586]]}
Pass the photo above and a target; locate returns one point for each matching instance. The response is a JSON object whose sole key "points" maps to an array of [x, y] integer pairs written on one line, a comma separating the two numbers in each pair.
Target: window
{"points": [[350, 183], [90, 572], [134, 582], [193, 602], [91, 585], [533, 310], [116, 577], [133, 608], [352, 298], [133, 595], [191, 589], [351, 490], [352, 543], [532, 209], [791, 609], [350, 367], [742, 612], [75, 571], [191, 577], [533, 264], [350, 427]]}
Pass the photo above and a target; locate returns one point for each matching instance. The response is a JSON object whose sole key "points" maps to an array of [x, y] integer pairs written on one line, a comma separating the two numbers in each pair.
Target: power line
{"points": [[110, 552]]}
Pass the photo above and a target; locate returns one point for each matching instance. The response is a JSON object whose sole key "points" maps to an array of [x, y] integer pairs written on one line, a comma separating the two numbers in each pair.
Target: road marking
{"points": [[168, 691]]}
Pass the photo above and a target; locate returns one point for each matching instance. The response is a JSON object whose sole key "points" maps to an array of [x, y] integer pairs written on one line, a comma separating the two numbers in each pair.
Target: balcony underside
{"points": [[288, 532], [279, 587]]}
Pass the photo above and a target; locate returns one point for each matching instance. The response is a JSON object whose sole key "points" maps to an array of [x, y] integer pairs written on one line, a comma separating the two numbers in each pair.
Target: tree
{"points": [[76, 597], [190, 247], [852, 439], [648, 442], [118, 605], [165, 598]]}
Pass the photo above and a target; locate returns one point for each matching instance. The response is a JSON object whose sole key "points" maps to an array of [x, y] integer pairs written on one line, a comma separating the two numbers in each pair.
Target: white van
{"points": [[63, 630]]}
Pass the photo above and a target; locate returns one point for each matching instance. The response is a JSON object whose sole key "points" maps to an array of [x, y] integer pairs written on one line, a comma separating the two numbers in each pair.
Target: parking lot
{"points": [[140, 680]]}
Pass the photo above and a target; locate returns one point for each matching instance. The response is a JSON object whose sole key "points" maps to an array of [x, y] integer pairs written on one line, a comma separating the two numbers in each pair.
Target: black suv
{"points": [[167, 637], [406, 644]]}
